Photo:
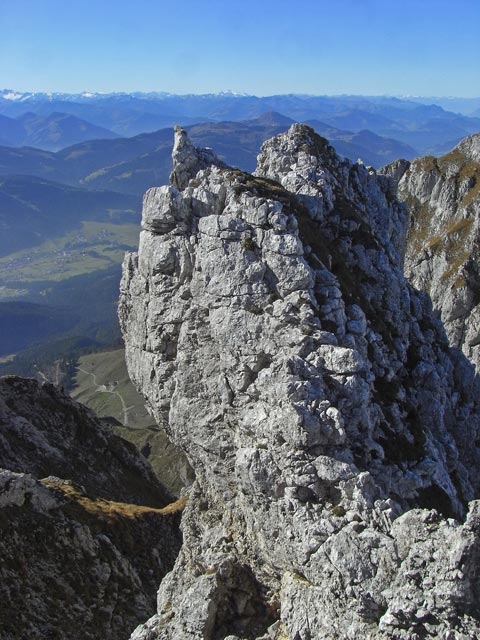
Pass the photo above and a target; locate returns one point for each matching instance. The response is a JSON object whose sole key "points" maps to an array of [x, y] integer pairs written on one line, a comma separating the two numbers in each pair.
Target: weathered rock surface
{"points": [[73, 567], [73, 563], [333, 432], [44, 432], [443, 249]]}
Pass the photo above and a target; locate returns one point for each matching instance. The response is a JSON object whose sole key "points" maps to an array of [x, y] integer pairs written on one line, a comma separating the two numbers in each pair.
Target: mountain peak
{"points": [[188, 160], [289, 146], [273, 118], [301, 160], [329, 425]]}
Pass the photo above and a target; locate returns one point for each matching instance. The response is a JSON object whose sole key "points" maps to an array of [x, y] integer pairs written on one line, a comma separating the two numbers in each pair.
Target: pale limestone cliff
{"points": [[443, 249], [333, 433]]}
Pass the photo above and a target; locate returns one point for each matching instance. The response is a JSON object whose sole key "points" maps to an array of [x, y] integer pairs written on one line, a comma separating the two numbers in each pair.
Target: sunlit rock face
{"points": [[332, 430], [443, 248]]}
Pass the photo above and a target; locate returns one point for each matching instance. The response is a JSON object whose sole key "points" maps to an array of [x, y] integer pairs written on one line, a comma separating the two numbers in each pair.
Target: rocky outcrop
{"points": [[81, 554], [75, 567], [333, 433], [44, 432], [443, 249]]}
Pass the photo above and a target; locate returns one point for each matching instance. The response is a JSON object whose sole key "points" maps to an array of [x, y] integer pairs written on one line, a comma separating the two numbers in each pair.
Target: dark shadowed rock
{"points": [[44, 432], [76, 567], [85, 536]]}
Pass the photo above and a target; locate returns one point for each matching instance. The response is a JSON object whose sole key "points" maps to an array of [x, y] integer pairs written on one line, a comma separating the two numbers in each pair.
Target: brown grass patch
{"points": [[110, 509]]}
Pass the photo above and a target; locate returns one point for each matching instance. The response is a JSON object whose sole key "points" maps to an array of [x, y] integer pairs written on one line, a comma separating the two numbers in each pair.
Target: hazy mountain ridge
{"points": [[91, 298], [130, 114], [465, 106], [52, 132], [22, 323], [131, 165], [34, 210]]}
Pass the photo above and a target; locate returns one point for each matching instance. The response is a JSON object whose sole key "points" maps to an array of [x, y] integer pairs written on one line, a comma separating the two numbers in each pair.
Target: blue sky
{"points": [[402, 47]]}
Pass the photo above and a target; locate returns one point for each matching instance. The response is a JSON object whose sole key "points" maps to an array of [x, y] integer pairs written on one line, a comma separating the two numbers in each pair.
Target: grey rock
{"points": [[332, 431], [442, 252], [188, 160], [74, 567]]}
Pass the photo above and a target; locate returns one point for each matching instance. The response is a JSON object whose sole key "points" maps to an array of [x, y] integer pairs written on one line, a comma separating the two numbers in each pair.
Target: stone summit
{"points": [[332, 428]]}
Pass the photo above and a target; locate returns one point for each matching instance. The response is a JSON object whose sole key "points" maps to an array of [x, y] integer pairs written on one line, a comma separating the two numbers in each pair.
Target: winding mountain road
{"points": [[102, 388]]}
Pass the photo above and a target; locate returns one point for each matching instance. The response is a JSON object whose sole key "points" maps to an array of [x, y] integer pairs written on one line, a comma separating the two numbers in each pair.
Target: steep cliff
{"points": [[443, 249], [333, 433], [81, 554]]}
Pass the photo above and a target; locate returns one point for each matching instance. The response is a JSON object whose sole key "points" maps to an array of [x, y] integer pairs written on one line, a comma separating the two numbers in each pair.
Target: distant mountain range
{"points": [[132, 165], [428, 128], [466, 106], [54, 131]]}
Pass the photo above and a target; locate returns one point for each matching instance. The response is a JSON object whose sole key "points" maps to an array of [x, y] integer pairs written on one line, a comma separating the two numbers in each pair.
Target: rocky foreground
{"points": [[333, 432], [86, 533]]}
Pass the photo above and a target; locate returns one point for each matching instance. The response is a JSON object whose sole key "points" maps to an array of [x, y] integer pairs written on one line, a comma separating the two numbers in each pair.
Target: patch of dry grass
{"points": [[110, 509]]}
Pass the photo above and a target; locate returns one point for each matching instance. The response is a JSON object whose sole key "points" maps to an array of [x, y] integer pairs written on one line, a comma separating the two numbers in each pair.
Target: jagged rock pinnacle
{"points": [[299, 148], [188, 160]]}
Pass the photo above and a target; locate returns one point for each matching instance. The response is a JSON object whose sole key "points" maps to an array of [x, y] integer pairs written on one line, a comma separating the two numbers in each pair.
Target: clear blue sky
{"points": [[420, 47]]}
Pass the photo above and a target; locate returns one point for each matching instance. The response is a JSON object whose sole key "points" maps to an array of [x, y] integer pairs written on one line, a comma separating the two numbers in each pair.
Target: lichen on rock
{"points": [[332, 430]]}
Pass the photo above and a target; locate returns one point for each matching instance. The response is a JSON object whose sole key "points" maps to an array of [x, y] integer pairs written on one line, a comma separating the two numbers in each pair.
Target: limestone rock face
{"points": [[443, 249], [79, 559], [333, 433]]}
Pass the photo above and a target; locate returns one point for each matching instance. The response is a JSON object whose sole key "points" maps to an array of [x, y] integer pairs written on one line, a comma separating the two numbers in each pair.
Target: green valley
{"points": [[92, 247], [101, 382]]}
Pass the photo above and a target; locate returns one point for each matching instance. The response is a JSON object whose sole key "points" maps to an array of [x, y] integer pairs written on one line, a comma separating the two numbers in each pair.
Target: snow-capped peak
{"points": [[11, 95]]}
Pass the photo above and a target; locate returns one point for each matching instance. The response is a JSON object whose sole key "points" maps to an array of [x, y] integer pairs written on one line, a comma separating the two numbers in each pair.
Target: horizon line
{"points": [[229, 92]]}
